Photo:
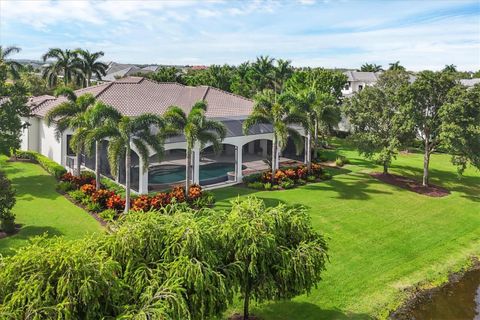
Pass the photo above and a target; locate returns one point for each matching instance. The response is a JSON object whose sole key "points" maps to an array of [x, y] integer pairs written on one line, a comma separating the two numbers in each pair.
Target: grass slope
{"points": [[382, 239], [41, 209]]}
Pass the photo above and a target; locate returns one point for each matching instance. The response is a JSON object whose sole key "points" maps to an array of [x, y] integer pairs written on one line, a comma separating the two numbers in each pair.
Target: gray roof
{"points": [[133, 96], [470, 82], [368, 77], [121, 73]]}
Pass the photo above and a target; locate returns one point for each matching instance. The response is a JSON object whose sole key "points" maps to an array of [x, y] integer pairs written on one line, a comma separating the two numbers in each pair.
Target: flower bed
{"points": [[109, 204], [286, 178]]}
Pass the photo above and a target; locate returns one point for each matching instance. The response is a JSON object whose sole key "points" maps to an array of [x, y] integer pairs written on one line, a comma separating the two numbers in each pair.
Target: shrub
{"points": [[301, 182], [341, 161], [326, 176], [88, 189], [287, 183], [178, 193], [108, 215], [280, 176], [65, 186], [115, 202], [302, 172], [101, 196], [291, 174], [194, 192], [311, 178], [266, 176], [112, 185], [141, 203], [317, 169], [267, 186], [275, 187], [77, 195], [256, 185], [95, 207], [207, 199], [7, 201], [252, 178], [159, 200], [49, 165]]}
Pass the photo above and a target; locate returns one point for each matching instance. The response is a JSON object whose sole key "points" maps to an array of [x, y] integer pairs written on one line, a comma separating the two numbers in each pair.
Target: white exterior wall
{"points": [[49, 146], [30, 135]]}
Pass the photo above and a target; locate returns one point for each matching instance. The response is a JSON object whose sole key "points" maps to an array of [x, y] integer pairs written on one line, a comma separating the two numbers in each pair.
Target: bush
{"points": [[7, 201], [115, 202], [256, 185], [326, 176], [108, 215], [207, 199], [178, 193], [254, 177], [88, 189], [194, 192], [65, 186], [287, 183], [112, 185], [267, 186], [94, 207], [311, 178], [49, 165], [301, 182], [77, 195], [160, 200], [341, 161], [141, 203], [101, 197], [317, 169]]}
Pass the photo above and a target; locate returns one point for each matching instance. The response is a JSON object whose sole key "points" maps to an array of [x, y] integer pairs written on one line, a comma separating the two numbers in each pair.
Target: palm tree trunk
{"points": [[274, 156], [188, 169], [77, 169], [127, 178], [316, 136], [309, 152], [97, 164]]}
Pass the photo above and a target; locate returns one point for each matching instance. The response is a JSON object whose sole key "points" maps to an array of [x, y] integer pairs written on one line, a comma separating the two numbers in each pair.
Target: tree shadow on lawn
{"points": [[26, 233], [468, 185], [357, 187], [305, 310], [38, 186]]}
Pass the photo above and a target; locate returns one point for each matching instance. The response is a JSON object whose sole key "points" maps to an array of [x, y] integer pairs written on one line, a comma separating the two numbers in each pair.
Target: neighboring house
{"points": [[470, 82], [357, 80], [133, 96]]}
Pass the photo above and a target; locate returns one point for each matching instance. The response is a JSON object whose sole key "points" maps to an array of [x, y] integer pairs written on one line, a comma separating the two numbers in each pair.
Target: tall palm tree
{"points": [[69, 114], [450, 68], [196, 128], [281, 72], [396, 66], [371, 67], [143, 132], [87, 124], [281, 111], [263, 68], [66, 63], [13, 66], [91, 65]]}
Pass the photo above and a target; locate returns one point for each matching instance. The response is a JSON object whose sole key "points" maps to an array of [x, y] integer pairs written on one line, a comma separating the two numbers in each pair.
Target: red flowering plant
{"points": [[101, 197], [267, 176], [302, 172], [178, 193], [115, 202], [317, 169], [194, 192], [160, 200], [88, 189], [279, 176], [291, 174]]}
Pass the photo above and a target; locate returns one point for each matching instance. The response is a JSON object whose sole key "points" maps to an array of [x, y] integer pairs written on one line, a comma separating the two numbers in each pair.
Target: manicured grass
{"points": [[41, 209], [382, 239]]}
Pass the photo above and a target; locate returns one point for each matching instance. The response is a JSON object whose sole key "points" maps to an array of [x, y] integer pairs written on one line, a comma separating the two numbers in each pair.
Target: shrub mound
{"points": [[49, 165]]}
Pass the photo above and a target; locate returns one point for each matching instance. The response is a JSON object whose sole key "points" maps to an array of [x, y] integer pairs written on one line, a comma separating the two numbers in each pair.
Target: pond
{"points": [[457, 301]]}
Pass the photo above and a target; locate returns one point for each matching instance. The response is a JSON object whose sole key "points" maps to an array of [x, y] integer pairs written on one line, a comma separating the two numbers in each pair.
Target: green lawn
{"points": [[41, 209], [382, 239]]}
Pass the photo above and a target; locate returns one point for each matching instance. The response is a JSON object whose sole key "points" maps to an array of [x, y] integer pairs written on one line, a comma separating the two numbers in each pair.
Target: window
{"points": [[70, 151], [347, 86], [360, 87]]}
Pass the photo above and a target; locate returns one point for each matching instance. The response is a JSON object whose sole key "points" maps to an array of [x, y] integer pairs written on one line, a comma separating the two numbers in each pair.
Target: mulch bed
{"points": [[412, 185], [238, 316]]}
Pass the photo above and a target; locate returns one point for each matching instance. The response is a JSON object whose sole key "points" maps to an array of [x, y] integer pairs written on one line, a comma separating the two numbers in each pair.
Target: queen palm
{"points": [[90, 65], [68, 114], [143, 132], [396, 66], [87, 124], [196, 128], [281, 72], [66, 63], [13, 67], [281, 111]]}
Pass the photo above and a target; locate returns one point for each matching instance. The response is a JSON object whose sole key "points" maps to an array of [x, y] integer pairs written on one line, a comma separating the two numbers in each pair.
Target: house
{"points": [[357, 80], [132, 96]]}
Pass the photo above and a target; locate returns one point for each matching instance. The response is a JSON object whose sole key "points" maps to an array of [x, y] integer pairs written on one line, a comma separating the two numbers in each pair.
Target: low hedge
{"points": [[49, 165]]}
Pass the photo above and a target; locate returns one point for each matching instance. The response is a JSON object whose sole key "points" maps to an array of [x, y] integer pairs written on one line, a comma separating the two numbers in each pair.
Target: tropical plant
{"points": [[281, 111], [83, 138], [396, 66], [371, 67], [7, 201], [70, 114], [196, 128], [66, 64], [90, 65], [142, 132], [280, 254], [450, 68], [13, 67]]}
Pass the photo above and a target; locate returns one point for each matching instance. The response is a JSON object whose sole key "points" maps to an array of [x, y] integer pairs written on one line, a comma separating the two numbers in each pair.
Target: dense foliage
{"points": [[7, 201], [174, 263]]}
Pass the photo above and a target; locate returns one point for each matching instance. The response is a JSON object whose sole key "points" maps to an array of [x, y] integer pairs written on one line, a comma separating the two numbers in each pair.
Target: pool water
{"points": [[165, 174]]}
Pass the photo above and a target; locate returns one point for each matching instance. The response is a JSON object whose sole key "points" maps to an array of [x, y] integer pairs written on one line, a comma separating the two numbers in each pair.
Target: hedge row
{"points": [[49, 165]]}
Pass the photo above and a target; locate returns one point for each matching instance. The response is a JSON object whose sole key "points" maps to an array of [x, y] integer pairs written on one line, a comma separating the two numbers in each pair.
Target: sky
{"points": [[421, 34]]}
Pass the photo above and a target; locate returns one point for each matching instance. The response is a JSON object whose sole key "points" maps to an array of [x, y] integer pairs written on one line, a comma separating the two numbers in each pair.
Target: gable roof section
{"points": [[362, 76], [133, 96]]}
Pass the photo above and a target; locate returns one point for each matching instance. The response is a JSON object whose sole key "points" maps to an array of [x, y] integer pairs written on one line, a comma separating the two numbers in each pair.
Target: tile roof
{"points": [[362, 76], [133, 96]]}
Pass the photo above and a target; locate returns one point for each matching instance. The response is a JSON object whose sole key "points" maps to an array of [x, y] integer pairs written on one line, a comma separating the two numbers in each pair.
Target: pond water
{"points": [[455, 301]]}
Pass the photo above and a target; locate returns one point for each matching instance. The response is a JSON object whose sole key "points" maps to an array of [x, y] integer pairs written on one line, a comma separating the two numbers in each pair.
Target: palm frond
{"points": [[66, 92], [116, 150], [142, 151]]}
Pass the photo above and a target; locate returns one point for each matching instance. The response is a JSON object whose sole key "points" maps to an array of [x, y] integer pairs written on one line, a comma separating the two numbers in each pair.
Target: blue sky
{"points": [[343, 33]]}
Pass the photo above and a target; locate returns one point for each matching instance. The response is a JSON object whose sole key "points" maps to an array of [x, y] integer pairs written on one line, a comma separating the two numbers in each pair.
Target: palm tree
{"points": [[69, 114], [13, 66], [450, 68], [84, 137], [263, 68], [371, 67], [396, 66], [281, 72], [66, 63], [143, 132], [91, 65], [196, 128], [280, 111]]}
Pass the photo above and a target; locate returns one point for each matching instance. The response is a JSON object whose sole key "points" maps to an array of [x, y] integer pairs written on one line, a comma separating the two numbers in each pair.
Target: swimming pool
{"points": [[209, 173]]}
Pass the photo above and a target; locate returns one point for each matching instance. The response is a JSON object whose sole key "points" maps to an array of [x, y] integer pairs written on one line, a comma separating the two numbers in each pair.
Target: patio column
{"points": [[196, 164], [142, 178], [238, 163]]}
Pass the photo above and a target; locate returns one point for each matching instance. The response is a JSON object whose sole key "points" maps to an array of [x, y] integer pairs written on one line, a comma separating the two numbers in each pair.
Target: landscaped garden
{"points": [[382, 239]]}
